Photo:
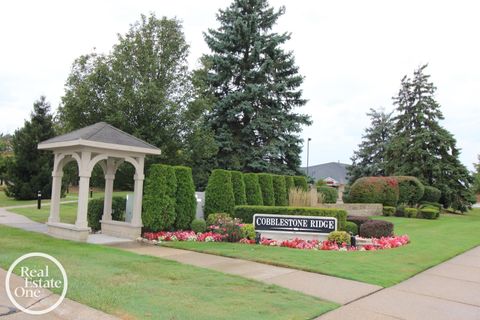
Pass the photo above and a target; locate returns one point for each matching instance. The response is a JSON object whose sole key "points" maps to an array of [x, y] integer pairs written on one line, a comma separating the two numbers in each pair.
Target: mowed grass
{"points": [[432, 242], [134, 286]]}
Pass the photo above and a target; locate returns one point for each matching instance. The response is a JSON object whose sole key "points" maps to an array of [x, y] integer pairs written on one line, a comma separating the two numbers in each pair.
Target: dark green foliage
{"points": [[252, 189], [339, 237], [370, 158], [476, 177], [358, 220], [219, 193], [388, 211], [351, 228], [431, 194], [198, 226], [382, 190], [400, 211], [279, 190], [300, 182], [245, 213], [376, 229], [238, 188], [411, 190], [266, 185], [330, 195], [410, 212], [289, 184], [159, 198], [186, 203], [428, 213], [95, 211], [30, 169], [436, 205], [257, 88]]}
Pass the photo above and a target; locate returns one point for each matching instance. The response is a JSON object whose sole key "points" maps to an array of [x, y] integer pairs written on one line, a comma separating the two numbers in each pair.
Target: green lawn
{"points": [[432, 242], [134, 286]]}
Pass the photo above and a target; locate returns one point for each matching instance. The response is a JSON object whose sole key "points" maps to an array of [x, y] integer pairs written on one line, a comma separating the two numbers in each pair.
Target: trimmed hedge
{"points": [[300, 182], [351, 227], [245, 213], [95, 211], [252, 189], [279, 190], [376, 229], [339, 237], [410, 212], [159, 198], [411, 190], [382, 190], [330, 195], [186, 203], [431, 194], [428, 213], [238, 185], [219, 193], [358, 220], [266, 185], [289, 184], [431, 204], [388, 211], [198, 226]]}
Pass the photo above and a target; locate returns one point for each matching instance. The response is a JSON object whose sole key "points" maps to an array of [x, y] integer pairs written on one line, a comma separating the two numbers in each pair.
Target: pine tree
{"points": [[369, 159], [422, 148], [30, 170], [255, 83]]}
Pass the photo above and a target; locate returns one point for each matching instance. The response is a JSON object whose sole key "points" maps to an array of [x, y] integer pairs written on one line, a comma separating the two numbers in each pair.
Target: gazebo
{"points": [[109, 147]]}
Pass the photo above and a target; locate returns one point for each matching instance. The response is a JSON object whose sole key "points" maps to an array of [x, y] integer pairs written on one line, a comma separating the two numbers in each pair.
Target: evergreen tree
{"points": [[476, 177], [369, 159], [30, 170], [422, 148], [255, 83]]}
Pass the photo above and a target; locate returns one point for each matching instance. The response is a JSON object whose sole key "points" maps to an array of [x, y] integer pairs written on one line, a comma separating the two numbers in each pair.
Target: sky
{"points": [[352, 54]]}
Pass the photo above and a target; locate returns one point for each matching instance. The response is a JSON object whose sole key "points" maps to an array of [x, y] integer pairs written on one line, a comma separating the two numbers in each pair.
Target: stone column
{"points": [[107, 202], [138, 195], [55, 200], [84, 187]]}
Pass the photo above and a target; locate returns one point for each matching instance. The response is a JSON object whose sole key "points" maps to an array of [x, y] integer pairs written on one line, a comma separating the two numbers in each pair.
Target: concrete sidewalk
{"points": [[450, 290], [329, 288]]}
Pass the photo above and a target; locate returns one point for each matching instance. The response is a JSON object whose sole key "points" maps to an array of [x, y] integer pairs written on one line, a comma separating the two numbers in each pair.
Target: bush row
{"points": [[424, 212]]}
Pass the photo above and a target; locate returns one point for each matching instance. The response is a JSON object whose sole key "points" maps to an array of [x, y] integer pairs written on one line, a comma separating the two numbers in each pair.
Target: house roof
{"points": [[102, 135], [335, 170]]}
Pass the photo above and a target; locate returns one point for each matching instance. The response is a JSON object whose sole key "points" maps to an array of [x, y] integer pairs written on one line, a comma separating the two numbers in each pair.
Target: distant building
{"points": [[333, 173]]}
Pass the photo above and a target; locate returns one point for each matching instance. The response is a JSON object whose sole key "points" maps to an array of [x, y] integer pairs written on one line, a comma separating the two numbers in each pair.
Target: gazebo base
{"points": [[121, 229], [68, 231]]}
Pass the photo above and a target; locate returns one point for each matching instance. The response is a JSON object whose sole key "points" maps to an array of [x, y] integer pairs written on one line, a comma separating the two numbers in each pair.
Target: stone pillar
{"points": [[83, 189], [138, 195], [107, 202], [55, 200]]}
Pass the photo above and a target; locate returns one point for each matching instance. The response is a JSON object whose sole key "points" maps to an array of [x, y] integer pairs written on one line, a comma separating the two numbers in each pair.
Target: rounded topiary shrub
{"points": [[411, 190], [300, 182], [330, 195], [289, 184], [266, 185], [339, 237], [376, 229], [198, 226], [159, 198], [279, 190], [431, 194], [351, 228], [428, 213], [219, 193], [238, 185], [382, 190], [358, 220], [252, 189], [410, 212], [388, 211], [186, 203]]}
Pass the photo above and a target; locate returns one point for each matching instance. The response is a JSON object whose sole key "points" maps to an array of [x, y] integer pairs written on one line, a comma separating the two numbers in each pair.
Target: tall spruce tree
{"points": [[370, 158], [421, 147], [30, 169], [256, 86]]}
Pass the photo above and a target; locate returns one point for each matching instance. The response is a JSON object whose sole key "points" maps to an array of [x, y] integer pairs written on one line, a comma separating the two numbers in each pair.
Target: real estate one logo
{"points": [[36, 278]]}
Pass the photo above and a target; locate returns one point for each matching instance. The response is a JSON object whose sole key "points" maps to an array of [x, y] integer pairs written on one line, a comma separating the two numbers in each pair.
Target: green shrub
{"points": [[289, 184], [351, 228], [245, 213], [252, 189], [411, 190], [346, 194], [248, 231], [215, 218], [300, 182], [428, 213], [321, 183], [95, 211], [400, 211], [339, 237], [431, 194], [238, 185], [198, 226], [186, 203], [358, 220], [219, 193], [279, 190], [382, 190], [266, 185], [159, 198], [388, 211], [376, 229], [330, 195], [410, 212], [431, 204]]}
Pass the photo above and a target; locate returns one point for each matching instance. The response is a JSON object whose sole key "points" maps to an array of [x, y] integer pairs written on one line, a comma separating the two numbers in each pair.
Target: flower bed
{"points": [[183, 236]]}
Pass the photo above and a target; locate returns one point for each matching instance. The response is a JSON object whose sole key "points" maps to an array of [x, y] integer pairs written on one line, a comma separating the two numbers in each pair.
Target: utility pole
{"points": [[308, 155]]}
